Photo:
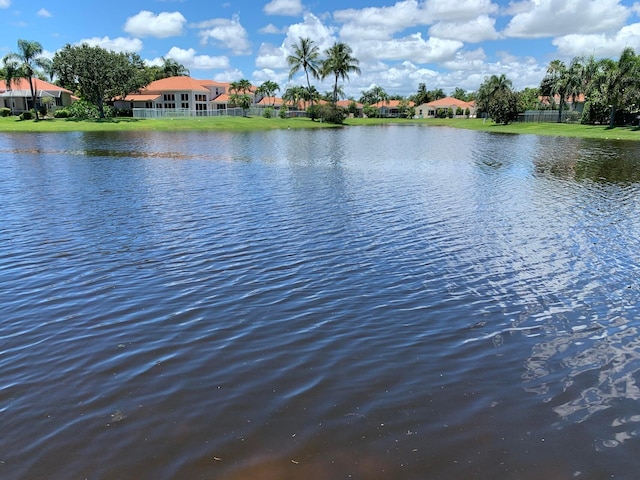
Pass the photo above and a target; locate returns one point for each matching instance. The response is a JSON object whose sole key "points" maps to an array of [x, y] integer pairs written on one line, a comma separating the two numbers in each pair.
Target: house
{"points": [[190, 95], [347, 103], [391, 108], [18, 97], [433, 109], [173, 93], [570, 103]]}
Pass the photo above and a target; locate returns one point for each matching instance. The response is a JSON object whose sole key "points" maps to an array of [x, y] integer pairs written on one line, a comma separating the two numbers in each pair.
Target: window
{"points": [[148, 105], [185, 104], [201, 106], [184, 97], [169, 97], [201, 97], [169, 105]]}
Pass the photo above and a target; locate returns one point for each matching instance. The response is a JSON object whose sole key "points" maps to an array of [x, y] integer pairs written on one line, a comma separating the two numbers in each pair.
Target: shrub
{"points": [[268, 112], [459, 111], [62, 113], [283, 112], [5, 112], [313, 111], [26, 115], [331, 114], [42, 110]]}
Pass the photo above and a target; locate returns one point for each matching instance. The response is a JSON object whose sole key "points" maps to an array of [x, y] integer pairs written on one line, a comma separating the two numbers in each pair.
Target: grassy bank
{"points": [[12, 124]]}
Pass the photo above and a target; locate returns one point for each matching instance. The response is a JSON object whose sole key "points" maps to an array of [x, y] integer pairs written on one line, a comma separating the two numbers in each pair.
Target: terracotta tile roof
{"points": [[137, 97], [449, 102], [23, 84], [222, 98], [269, 101], [176, 84], [346, 103]]}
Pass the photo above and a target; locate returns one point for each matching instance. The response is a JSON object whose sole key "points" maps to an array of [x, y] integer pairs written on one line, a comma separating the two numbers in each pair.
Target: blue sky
{"points": [[442, 43]]}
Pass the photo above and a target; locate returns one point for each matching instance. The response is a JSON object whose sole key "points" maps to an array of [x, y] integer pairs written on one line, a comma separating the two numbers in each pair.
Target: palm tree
{"points": [[557, 81], [306, 56], [340, 63], [25, 63], [171, 68], [268, 89], [293, 95], [621, 85]]}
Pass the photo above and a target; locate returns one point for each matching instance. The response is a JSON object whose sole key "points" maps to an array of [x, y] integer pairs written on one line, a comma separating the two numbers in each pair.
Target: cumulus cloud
{"points": [[226, 33], [474, 31], [459, 10], [189, 59], [384, 20], [43, 12], [119, 44], [310, 27], [551, 18], [283, 7], [5, 3], [414, 47], [600, 45], [162, 25], [271, 56]]}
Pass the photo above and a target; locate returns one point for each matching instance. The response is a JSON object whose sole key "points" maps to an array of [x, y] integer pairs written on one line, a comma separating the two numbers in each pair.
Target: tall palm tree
{"points": [[293, 95], [621, 84], [306, 56], [340, 63], [557, 81], [25, 64]]}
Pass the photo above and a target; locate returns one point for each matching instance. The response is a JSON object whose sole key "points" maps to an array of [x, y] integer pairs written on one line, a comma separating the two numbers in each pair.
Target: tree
{"points": [[374, 95], [460, 94], [306, 56], [240, 96], [621, 85], [268, 89], [25, 64], [495, 96], [293, 95], [340, 63], [422, 96], [99, 75], [529, 99]]}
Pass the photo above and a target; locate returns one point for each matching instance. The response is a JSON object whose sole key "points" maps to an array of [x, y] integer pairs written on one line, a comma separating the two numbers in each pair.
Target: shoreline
{"points": [[246, 124]]}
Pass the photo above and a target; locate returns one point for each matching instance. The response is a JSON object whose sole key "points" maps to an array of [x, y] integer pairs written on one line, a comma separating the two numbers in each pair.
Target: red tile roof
{"points": [[23, 84], [176, 84], [391, 104], [449, 102]]}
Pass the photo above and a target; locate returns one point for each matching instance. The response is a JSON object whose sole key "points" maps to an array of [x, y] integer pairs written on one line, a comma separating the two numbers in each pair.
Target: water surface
{"points": [[395, 302]]}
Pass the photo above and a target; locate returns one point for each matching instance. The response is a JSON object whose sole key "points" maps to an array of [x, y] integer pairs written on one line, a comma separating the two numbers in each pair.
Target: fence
{"points": [[228, 112]]}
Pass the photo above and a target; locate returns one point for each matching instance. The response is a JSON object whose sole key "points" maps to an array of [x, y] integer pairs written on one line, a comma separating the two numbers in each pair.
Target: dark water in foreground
{"points": [[372, 303]]}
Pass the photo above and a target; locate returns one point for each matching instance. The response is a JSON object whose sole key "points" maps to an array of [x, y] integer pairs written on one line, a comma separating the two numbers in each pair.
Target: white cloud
{"points": [[261, 76], [270, 29], [230, 75], [43, 12], [162, 25], [385, 20], [459, 10], [5, 3], [119, 44], [226, 33], [600, 45], [189, 59], [310, 27], [283, 7], [474, 31], [551, 18], [412, 47], [271, 56]]}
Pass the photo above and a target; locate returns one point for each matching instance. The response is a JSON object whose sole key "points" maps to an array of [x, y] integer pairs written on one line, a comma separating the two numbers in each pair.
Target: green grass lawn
{"points": [[12, 124]]}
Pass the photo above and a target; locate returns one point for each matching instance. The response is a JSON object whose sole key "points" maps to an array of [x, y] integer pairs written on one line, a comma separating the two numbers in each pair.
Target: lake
{"points": [[392, 302]]}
